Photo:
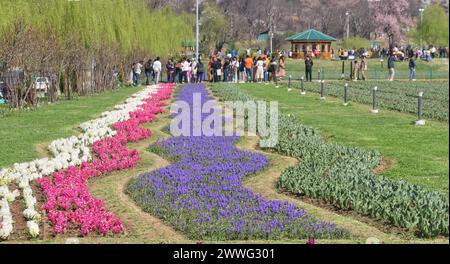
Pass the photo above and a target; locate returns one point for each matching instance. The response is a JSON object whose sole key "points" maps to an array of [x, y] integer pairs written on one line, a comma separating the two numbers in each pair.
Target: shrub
{"points": [[356, 42]]}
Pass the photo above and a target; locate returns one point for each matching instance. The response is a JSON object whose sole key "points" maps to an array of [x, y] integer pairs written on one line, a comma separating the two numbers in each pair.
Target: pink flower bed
{"points": [[69, 203]]}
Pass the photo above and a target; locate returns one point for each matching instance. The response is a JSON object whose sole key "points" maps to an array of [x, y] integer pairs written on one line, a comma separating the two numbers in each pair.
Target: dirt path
{"points": [[139, 225]]}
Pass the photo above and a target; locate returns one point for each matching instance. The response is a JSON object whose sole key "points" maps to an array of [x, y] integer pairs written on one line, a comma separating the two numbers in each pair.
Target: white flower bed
{"points": [[67, 152]]}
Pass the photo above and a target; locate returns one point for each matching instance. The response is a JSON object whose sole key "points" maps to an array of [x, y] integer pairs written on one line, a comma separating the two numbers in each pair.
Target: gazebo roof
{"points": [[311, 35]]}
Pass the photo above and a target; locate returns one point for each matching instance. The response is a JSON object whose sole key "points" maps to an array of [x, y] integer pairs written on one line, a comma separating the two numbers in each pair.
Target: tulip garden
{"points": [[202, 192]]}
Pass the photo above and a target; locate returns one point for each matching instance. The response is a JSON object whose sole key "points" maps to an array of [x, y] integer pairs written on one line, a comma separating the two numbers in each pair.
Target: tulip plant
{"points": [[343, 177]]}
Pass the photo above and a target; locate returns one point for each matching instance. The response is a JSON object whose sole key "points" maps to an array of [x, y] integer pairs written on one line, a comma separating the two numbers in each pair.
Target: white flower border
{"points": [[67, 152]]}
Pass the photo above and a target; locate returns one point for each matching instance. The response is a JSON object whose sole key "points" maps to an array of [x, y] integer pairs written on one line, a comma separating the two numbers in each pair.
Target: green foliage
{"points": [[127, 23], [434, 27], [356, 42], [213, 28], [342, 176]]}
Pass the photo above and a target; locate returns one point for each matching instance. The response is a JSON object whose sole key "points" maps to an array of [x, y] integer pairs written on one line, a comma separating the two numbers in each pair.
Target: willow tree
{"points": [[91, 38], [214, 28], [433, 29]]}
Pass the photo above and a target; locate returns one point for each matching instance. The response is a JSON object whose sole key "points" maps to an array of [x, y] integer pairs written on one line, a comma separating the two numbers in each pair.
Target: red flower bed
{"points": [[69, 203]]}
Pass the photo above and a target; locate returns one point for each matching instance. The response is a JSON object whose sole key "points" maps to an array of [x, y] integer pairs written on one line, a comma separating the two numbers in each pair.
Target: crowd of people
{"points": [[229, 68], [261, 66], [182, 71], [152, 70], [392, 55], [402, 53]]}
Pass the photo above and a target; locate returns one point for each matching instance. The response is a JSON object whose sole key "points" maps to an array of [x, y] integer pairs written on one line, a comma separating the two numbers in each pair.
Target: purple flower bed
{"points": [[201, 194]]}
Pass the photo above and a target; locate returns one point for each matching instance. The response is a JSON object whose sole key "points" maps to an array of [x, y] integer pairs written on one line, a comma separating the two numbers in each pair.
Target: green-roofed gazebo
{"points": [[311, 42]]}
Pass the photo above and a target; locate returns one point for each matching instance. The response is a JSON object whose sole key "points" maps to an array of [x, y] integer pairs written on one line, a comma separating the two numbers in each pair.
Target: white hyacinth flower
{"points": [[29, 213], [33, 229], [67, 152]]}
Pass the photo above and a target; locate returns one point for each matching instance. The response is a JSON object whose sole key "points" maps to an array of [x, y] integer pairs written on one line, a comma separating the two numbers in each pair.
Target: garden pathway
{"points": [[140, 226]]}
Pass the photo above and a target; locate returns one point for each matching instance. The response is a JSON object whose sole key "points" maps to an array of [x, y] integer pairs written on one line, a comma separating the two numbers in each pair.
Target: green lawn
{"points": [[419, 154], [399, 95], [436, 69], [22, 131]]}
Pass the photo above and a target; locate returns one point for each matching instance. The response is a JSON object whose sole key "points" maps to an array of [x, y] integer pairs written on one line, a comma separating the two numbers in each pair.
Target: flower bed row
{"points": [[201, 194], [68, 199], [343, 176], [395, 96]]}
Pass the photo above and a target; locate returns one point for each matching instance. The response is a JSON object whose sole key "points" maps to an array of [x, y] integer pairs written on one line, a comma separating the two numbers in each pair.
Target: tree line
{"points": [[244, 20]]}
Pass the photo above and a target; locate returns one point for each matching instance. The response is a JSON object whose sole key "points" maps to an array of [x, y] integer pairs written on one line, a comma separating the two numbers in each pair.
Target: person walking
{"points": [[308, 68], [235, 69], [200, 67], [210, 69], [391, 67], [363, 68], [273, 68], [170, 67], [226, 68], [178, 72], [412, 69], [254, 68], [137, 73], [259, 70], [217, 69], [242, 70], [266, 68], [157, 67], [355, 71], [148, 71], [131, 75], [193, 71], [185, 65], [248, 68], [281, 68]]}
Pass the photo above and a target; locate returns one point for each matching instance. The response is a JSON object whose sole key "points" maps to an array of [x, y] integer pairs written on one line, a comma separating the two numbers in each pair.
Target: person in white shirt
{"points": [[235, 69], [259, 70], [157, 67], [185, 65], [137, 73]]}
